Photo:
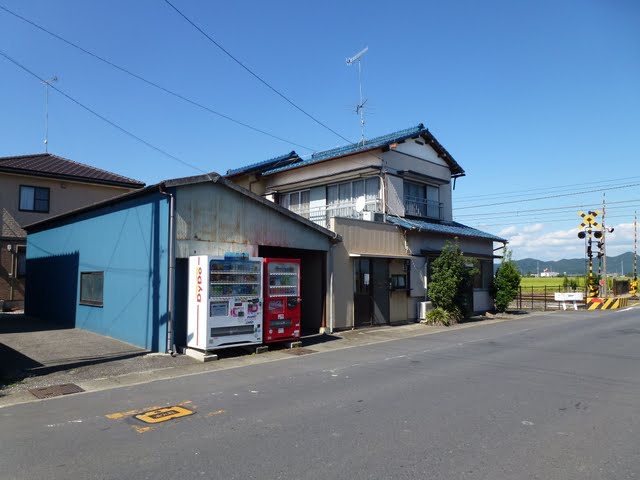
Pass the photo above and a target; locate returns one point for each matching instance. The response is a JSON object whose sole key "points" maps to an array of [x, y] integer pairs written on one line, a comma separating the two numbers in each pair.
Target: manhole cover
{"points": [[299, 351], [56, 390]]}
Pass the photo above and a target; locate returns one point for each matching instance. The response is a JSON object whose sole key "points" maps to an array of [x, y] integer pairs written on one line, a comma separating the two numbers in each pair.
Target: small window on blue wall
{"points": [[91, 288]]}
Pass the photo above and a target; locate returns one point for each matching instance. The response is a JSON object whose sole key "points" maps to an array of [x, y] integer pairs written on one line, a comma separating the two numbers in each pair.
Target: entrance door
{"points": [[371, 291], [362, 292], [380, 290]]}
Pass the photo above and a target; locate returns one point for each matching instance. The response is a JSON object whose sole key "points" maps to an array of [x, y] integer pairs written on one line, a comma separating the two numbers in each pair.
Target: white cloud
{"points": [[533, 228], [505, 232]]}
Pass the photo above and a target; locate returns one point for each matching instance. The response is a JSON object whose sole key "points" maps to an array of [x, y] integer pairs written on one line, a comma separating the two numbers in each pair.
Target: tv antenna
{"points": [[47, 84], [360, 107]]}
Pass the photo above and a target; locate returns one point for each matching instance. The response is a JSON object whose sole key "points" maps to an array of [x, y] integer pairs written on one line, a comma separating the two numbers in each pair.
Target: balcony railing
{"points": [[321, 215], [419, 207]]}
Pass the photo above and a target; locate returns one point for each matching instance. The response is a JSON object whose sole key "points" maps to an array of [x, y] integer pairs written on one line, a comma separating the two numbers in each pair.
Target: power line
{"points": [[255, 75], [550, 196], [521, 193], [104, 119], [538, 210], [153, 84]]}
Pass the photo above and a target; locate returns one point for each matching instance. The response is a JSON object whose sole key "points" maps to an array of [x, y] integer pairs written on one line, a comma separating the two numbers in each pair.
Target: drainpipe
{"points": [[331, 292], [170, 348]]}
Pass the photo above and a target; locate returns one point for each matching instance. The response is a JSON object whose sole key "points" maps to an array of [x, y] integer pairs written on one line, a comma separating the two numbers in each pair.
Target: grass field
{"points": [[539, 283]]}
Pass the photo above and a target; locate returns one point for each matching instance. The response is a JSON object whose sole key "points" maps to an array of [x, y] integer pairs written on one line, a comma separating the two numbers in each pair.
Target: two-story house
{"points": [[390, 199], [36, 187]]}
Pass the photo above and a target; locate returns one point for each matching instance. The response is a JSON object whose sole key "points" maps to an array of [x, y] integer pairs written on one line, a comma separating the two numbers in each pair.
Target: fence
{"points": [[539, 298]]}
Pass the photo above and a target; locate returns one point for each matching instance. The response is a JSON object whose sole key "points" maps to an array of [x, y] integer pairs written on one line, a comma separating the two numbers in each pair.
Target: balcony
{"points": [[321, 215], [420, 207]]}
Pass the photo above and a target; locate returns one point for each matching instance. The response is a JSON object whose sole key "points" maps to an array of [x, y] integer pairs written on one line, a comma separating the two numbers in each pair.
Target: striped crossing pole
{"points": [[586, 227]]}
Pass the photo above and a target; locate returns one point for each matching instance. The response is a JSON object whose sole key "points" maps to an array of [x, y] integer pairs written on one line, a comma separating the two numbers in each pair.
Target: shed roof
{"points": [[53, 166], [212, 177], [446, 228]]}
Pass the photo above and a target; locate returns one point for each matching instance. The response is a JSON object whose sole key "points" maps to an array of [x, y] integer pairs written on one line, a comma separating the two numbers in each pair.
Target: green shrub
{"points": [[506, 283], [450, 281], [439, 316]]}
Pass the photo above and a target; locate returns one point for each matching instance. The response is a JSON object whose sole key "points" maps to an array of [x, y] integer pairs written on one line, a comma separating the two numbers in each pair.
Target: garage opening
{"points": [[312, 286]]}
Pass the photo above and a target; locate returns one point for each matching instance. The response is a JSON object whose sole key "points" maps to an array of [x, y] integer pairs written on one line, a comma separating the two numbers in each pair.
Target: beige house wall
{"points": [[64, 195]]}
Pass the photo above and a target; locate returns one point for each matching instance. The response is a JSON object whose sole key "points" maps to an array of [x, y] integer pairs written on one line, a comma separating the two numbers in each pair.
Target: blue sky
{"points": [[533, 99]]}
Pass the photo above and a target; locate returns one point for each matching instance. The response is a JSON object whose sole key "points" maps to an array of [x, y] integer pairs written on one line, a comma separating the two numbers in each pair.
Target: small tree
{"points": [[450, 279], [506, 283]]}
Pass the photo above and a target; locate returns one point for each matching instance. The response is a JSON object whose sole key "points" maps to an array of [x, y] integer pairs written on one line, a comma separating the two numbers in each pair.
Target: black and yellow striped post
{"points": [[586, 231], [607, 303]]}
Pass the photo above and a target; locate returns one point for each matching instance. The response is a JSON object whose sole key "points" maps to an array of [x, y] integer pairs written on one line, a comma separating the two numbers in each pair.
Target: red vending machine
{"points": [[281, 300]]}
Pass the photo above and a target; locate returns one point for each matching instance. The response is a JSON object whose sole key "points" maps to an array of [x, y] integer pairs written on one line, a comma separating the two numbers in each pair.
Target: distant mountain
{"points": [[578, 266]]}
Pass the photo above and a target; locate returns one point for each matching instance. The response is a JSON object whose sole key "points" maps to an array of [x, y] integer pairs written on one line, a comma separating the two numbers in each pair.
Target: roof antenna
{"points": [[360, 107], [47, 84]]}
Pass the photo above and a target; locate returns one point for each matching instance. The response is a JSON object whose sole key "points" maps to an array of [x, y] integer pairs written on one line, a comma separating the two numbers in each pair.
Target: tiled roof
{"points": [[48, 165], [288, 159], [378, 142], [447, 228]]}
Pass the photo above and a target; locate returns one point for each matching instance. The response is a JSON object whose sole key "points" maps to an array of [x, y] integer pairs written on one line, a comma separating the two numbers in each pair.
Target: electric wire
{"points": [[153, 84], [255, 75], [549, 196], [521, 193], [104, 119]]}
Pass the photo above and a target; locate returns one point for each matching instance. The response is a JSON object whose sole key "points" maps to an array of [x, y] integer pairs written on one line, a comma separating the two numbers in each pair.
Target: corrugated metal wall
{"points": [[212, 220], [129, 243]]}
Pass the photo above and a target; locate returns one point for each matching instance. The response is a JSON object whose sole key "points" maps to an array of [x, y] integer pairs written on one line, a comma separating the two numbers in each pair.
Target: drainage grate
{"points": [[56, 390], [299, 351]]}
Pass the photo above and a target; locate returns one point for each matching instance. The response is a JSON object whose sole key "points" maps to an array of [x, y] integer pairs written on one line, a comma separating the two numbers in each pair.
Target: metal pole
{"points": [[605, 285]]}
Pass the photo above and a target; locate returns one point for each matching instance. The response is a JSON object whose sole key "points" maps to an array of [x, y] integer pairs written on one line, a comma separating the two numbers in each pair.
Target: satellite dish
{"points": [[360, 201]]}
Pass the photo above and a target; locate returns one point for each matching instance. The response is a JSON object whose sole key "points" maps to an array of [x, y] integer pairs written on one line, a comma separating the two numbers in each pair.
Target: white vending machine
{"points": [[225, 301]]}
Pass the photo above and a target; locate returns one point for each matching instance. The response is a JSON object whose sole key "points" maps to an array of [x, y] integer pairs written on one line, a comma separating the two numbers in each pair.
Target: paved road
{"points": [[551, 397]]}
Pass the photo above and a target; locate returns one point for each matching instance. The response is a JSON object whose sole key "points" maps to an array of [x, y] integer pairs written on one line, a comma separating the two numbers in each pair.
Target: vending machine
{"points": [[225, 301], [281, 299]]}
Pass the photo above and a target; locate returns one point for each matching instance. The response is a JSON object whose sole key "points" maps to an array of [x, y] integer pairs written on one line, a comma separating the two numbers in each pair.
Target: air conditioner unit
{"points": [[373, 216], [422, 309]]}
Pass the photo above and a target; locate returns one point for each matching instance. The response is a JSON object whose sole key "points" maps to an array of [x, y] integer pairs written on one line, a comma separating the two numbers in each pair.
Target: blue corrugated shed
{"points": [[129, 242], [448, 228]]}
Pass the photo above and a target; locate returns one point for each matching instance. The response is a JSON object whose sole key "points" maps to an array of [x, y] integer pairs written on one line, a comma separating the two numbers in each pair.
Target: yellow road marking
{"points": [[164, 414], [129, 413], [217, 412], [141, 429]]}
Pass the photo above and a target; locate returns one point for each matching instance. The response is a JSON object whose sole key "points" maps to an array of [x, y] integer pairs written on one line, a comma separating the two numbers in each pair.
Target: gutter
{"points": [[170, 346]]}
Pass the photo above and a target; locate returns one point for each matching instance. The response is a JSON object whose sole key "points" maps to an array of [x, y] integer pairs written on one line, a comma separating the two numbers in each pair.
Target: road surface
{"points": [[547, 397]]}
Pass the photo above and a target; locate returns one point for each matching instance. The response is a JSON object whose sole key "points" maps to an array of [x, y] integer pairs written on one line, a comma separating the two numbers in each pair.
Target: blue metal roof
{"points": [[289, 158], [356, 147], [448, 228]]}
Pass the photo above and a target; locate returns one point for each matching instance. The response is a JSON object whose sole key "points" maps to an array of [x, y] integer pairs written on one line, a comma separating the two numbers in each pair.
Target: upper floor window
{"points": [[297, 202], [347, 193], [422, 200], [34, 199]]}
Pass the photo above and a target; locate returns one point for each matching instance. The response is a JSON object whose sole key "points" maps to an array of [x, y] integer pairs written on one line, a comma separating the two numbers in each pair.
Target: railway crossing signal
{"points": [[587, 231]]}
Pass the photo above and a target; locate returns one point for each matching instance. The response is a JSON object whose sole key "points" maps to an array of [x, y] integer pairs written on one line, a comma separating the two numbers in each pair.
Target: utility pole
{"points": [[634, 283], [603, 251]]}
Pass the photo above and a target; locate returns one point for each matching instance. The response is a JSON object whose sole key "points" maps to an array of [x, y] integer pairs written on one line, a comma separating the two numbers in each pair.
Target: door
{"points": [[380, 290], [362, 292]]}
